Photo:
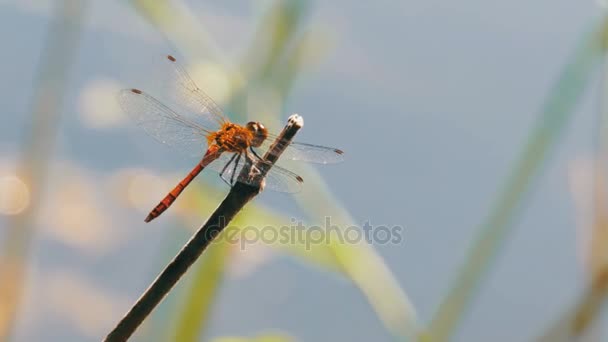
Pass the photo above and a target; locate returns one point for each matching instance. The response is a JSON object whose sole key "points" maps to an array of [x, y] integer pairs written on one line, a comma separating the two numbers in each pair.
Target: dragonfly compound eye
{"points": [[260, 133]]}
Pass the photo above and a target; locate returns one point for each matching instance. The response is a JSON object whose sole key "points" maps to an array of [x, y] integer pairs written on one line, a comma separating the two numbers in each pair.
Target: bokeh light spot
{"points": [[98, 105], [14, 195]]}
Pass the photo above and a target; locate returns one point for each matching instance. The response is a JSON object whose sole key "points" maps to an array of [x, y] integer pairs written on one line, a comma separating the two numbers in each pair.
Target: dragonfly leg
{"points": [[252, 159], [236, 164], [226, 168], [255, 153]]}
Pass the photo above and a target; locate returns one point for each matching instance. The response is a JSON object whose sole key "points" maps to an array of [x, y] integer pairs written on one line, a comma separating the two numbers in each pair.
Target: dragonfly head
{"points": [[260, 133]]}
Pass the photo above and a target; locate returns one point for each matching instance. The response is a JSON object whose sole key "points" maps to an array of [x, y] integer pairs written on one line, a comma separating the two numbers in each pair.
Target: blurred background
{"points": [[476, 126]]}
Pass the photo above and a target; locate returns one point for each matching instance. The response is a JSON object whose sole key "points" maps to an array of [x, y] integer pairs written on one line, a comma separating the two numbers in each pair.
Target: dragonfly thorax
{"points": [[236, 138]]}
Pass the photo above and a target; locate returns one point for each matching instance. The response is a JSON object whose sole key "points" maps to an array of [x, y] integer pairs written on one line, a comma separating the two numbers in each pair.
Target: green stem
{"points": [[556, 113]]}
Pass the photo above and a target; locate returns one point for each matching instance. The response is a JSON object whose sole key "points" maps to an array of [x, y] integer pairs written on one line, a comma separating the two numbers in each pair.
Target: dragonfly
{"points": [[195, 125]]}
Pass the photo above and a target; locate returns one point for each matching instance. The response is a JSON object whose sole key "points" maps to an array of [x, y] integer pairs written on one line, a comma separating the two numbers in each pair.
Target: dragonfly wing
{"points": [[307, 152], [162, 123], [183, 92], [277, 179], [283, 180]]}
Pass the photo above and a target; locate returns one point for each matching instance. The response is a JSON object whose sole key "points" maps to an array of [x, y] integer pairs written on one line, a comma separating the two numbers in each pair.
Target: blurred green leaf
{"points": [[193, 316], [360, 262], [277, 29], [261, 338], [255, 215], [180, 26], [557, 111], [307, 50], [154, 328], [52, 77]]}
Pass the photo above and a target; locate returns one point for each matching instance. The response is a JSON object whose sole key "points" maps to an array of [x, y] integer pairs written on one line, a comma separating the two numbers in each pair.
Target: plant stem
{"points": [[557, 111]]}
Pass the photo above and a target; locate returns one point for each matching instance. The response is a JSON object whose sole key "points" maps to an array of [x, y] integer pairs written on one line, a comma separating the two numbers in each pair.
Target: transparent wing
{"points": [[162, 123], [278, 179], [306, 152], [283, 180], [188, 98]]}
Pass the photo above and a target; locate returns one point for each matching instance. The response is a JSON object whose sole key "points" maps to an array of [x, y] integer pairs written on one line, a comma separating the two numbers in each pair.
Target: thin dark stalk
{"points": [[237, 198]]}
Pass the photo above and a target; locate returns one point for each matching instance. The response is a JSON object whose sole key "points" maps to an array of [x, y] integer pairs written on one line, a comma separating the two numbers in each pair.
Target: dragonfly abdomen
{"points": [[166, 202]]}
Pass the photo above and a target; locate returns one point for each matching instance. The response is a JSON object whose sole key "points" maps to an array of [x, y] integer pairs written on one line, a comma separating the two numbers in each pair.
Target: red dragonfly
{"points": [[201, 125]]}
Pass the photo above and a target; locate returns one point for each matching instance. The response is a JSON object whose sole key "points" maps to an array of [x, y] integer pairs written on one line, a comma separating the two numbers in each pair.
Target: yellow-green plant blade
{"points": [[360, 261], [307, 50], [261, 338], [179, 26], [256, 215], [270, 90], [195, 311], [559, 107], [276, 30], [50, 85], [319, 255]]}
